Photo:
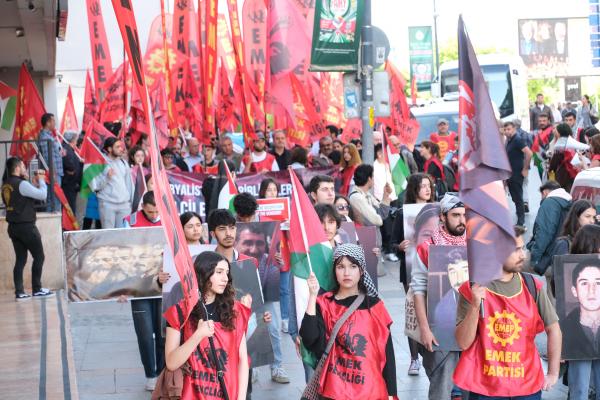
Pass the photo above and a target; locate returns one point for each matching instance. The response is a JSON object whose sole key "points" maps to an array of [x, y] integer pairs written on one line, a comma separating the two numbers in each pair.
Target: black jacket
{"points": [[72, 168], [576, 344]]}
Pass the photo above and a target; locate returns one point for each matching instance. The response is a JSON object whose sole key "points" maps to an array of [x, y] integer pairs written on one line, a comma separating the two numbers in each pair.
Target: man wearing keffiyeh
{"points": [[439, 365]]}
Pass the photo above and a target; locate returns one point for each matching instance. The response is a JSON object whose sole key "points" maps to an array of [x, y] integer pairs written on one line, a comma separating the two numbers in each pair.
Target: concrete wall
{"points": [[53, 276]]}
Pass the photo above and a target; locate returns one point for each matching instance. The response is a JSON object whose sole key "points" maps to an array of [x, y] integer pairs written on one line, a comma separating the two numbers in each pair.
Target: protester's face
{"points": [[337, 146], [193, 147], [458, 273], [587, 289], [588, 217], [427, 228], [259, 145], [509, 131], [150, 184], [347, 155], [209, 153], [220, 278], [139, 157], [21, 170], [342, 207], [443, 128], [542, 122], [347, 274], [395, 142], [514, 262], [570, 120], [168, 160], [252, 244], [193, 230], [424, 193], [118, 149], [127, 141], [539, 99], [325, 193], [326, 146], [330, 227], [51, 124], [227, 147], [151, 211], [279, 140], [177, 148], [377, 138], [455, 221], [271, 191], [225, 235], [424, 152]]}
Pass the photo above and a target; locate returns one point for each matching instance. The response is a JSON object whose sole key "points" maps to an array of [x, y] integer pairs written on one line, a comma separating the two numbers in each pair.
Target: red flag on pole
{"points": [[69, 118], [413, 90], [99, 44], [90, 102], [113, 106], [69, 221], [30, 109]]}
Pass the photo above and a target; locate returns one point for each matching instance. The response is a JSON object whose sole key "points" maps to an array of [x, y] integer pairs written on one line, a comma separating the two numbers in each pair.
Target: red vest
{"points": [[138, 220], [261, 166], [200, 169], [503, 359], [203, 383], [354, 367], [445, 142]]}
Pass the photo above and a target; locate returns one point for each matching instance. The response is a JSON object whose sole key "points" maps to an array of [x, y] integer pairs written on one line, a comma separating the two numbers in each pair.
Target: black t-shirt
{"points": [[514, 151]]}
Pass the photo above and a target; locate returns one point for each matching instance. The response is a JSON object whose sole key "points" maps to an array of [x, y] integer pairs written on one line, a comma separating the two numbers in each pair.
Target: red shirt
{"points": [[139, 220], [445, 142]]}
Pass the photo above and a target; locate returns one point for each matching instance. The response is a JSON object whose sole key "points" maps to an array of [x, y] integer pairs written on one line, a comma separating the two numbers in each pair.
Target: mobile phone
{"points": [[34, 166]]}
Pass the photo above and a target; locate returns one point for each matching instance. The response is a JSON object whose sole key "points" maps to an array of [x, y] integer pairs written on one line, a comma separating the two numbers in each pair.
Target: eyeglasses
{"points": [[342, 207]]}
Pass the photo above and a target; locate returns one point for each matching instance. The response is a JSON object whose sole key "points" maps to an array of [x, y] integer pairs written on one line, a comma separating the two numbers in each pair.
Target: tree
{"points": [[549, 87], [449, 51]]}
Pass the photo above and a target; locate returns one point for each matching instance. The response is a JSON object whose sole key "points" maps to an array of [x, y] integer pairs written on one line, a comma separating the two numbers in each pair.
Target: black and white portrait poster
{"points": [[420, 221], [105, 264], [577, 283], [448, 269]]}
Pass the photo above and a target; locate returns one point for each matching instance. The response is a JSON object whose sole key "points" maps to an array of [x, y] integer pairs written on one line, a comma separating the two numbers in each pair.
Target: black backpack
{"points": [[530, 284]]}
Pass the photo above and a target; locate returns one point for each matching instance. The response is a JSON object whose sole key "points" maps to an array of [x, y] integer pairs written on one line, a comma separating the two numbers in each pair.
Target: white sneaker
{"points": [[392, 257], [413, 369], [284, 325], [43, 292], [254, 375], [150, 384], [279, 375]]}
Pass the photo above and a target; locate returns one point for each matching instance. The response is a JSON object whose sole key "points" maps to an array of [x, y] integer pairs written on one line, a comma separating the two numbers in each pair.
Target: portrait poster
{"points": [[420, 221], [367, 238], [105, 264], [346, 233], [448, 269], [577, 277], [543, 46]]}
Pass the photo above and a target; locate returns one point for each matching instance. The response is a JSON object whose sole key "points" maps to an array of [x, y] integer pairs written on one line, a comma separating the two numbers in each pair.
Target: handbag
{"points": [[169, 384], [411, 326], [311, 392]]}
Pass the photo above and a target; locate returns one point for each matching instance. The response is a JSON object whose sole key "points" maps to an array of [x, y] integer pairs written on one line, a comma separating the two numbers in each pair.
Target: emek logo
{"points": [[504, 328], [354, 345]]}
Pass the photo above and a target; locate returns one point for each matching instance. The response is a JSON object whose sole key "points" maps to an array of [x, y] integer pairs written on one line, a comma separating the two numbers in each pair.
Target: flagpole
{"points": [[64, 141], [300, 218], [96, 147]]}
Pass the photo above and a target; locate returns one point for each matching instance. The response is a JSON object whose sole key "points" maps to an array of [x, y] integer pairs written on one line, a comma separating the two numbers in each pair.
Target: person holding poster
{"points": [[360, 365], [216, 327], [499, 357]]}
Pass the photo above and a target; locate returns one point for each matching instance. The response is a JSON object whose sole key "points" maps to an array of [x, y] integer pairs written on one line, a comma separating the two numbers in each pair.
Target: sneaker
{"points": [[254, 375], [522, 227], [43, 292], [413, 369], [392, 257], [150, 384], [22, 296], [285, 325], [526, 206], [279, 375]]}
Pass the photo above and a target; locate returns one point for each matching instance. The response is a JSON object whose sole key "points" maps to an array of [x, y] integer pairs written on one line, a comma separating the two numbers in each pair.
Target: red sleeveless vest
{"points": [[503, 359], [203, 383], [445, 143], [139, 220], [354, 367], [261, 166]]}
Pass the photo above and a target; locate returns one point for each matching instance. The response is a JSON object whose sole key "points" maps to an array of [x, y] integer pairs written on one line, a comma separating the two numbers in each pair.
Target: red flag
{"points": [[69, 221], [254, 21], [225, 48], [69, 118], [113, 106], [210, 64], [99, 44], [164, 198], [30, 109], [90, 102], [315, 124], [226, 117], [352, 130], [413, 90], [138, 124], [97, 134], [160, 114]]}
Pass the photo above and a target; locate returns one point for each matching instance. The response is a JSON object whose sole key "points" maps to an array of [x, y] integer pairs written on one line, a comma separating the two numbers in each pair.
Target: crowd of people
{"points": [[346, 330]]}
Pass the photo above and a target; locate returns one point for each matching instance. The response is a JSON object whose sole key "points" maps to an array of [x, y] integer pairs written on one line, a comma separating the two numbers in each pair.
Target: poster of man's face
{"points": [[578, 305], [448, 269], [420, 221], [543, 44], [104, 264]]}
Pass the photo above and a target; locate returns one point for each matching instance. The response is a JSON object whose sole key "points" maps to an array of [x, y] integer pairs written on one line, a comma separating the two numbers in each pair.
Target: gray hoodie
{"points": [[117, 189]]}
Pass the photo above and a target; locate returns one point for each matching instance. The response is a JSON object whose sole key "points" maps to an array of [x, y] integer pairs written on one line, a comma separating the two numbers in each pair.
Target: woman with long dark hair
{"points": [[268, 189], [219, 316], [364, 338]]}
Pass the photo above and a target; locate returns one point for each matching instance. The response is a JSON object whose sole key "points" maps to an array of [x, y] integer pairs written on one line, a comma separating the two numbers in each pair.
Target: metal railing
{"points": [[33, 165]]}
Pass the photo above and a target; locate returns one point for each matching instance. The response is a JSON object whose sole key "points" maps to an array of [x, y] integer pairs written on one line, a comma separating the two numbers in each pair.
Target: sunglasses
{"points": [[342, 208]]}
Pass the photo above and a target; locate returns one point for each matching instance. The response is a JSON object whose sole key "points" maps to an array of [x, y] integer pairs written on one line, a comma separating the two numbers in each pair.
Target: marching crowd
{"points": [[345, 330]]}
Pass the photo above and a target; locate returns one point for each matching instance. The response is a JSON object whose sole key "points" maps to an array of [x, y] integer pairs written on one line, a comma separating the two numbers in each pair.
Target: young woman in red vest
{"points": [[361, 363], [595, 151], [350, 160], [226, 323]]}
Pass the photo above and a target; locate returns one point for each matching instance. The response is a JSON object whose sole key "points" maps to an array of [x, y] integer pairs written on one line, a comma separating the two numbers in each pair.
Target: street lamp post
{"points": [[366, 84]]}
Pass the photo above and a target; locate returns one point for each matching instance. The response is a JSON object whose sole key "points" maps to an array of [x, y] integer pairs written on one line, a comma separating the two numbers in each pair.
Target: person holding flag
{"points": [[48, 142], [360, 362]]}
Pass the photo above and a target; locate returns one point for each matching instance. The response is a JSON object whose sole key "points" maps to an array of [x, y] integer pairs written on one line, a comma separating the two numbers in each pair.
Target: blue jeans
{"points": [[147, 314], [52, 202], [275, 333], [535, 396], [580, 373], [284, 294]]}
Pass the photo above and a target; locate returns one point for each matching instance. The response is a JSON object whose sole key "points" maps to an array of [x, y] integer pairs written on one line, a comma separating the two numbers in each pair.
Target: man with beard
{"points": [[439, 365], [259, 160], [500, 359]]}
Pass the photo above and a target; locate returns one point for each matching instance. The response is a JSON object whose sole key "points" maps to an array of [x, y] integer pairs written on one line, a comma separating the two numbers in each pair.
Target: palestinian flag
{"points": [[540, 143], [398, 167], [94, 163], [8, 106], [227, 188]]}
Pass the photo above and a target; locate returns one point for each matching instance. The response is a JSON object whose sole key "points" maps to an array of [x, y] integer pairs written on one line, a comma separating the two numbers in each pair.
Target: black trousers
{"points": [[71, 195], [515, 188], [26, 238]]}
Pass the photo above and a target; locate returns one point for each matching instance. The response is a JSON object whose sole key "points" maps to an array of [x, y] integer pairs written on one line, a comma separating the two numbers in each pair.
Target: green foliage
{"points": [[549, 87], [449, 51]]}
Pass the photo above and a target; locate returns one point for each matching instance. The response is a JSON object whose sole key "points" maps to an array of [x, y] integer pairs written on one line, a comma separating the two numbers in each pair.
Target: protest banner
{"points": [[105, 264], [576, 277], [420, 220], [347, 233], [367, 238], [448, 269], [274, 209]]}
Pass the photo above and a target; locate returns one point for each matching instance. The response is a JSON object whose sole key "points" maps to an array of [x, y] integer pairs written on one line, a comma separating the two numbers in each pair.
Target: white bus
{"points": [[506, 77]]}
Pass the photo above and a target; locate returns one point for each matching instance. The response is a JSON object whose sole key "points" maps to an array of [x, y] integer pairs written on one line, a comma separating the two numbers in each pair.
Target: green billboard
{"points": [[420, 52]]}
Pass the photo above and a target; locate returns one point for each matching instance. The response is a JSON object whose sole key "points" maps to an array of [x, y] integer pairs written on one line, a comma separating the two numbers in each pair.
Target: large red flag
{"points": [[138, 124], [254, 21], [112, 107], [30, 109], [483, 166], [314, 122], [69, 118], [97, 133], [226, 116], [90, 102], [210, 65], [160, 114], [69, 221], [100, 50], [164, 198], [225, 47]]}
